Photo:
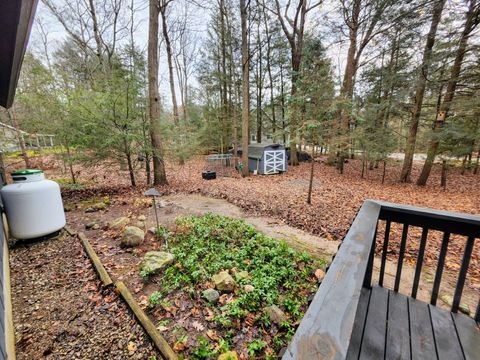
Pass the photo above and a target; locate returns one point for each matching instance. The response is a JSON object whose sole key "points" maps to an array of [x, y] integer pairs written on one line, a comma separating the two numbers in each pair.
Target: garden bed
{"points": [[254, 315]]}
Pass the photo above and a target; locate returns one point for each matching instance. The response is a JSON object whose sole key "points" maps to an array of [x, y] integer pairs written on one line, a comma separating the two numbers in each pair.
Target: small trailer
{"points": [[266, 159]]}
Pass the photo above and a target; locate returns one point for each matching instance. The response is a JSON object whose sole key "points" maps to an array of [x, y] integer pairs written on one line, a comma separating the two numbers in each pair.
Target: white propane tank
{"points": [[33, 205]]}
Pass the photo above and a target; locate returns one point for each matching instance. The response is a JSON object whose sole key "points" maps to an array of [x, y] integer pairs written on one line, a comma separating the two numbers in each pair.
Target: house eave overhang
{"points": [[16, 18]]}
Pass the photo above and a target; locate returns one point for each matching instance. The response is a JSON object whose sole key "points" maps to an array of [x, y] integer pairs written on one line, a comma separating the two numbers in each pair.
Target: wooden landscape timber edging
{"points": [[160, 343], [144, 320], [70, 231], [102, 272]]}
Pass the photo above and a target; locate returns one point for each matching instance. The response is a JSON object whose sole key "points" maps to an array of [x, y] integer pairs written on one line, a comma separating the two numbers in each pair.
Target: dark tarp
{"points": [[16, 17]]}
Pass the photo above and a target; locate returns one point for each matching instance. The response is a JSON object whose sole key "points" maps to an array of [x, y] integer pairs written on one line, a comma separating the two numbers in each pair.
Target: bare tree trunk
{"points": [[245, 87], [384, 171], [21, 141], [147, 151], [464, 165], [259, 82], [180, 73], [420, 91], [259, 97], [159, 176], [282, 104], [223, 72], [477, 163], [96, 33], [355, 21], [294, 141], [185, 89], [70, 164], [131, 172], [472, 19], [148, 171], [296, 60], [168, 46], [364, 163], [443, 180], [310, 184], [127, 150], [294, 31], [347, 86], [269, 71], [232, 91], [181, 62]]}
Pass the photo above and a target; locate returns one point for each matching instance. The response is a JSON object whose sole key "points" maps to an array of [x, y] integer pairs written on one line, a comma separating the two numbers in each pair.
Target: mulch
{"points": [[60, 310]]}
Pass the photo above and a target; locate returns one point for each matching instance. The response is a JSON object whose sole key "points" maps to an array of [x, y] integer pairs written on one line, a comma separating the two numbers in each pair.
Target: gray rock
{"points": [[162, 204], [275, 314], [140, 224], [132, 236], [90, 224], [96, 207], [223, 281], [141, 218], [154, 261], [96, 227], [211, 295], [241, 275], [152, 230], [118, 222], [249, 288]]}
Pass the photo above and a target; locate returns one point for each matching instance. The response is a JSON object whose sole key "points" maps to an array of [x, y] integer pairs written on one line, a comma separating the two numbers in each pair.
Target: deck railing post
{"points": [[384, 252], [477, 315], [440, 265], [403, 244], [418, 268], [367, 281], [463, 273]]}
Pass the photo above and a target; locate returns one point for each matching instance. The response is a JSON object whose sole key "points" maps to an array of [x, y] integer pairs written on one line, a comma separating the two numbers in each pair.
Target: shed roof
{"points": [[255, 151], [16, 17]]}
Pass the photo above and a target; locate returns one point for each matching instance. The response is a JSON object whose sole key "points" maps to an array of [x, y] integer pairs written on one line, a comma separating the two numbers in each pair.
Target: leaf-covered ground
{"points": [[61, 312], [335, 200]]}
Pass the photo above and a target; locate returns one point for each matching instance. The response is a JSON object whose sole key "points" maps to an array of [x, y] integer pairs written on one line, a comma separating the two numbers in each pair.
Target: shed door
{"points": [[274, 161]]}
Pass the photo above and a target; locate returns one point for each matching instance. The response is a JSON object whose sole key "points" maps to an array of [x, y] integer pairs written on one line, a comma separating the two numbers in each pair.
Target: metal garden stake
{"points": [[153, 193]]}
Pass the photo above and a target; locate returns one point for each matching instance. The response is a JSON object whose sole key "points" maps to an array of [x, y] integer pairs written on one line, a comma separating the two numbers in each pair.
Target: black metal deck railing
{"points": [[327, 327], [449, 224]]}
